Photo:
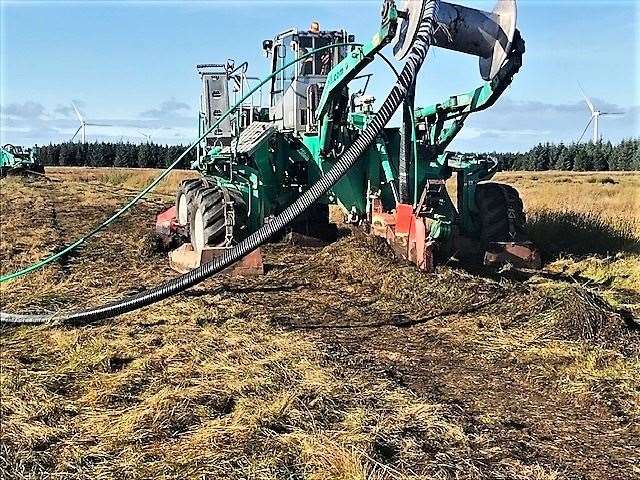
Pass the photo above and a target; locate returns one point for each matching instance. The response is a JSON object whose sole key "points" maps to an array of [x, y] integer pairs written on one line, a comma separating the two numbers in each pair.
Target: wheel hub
{"points": [[183, 212], [198, 231]]}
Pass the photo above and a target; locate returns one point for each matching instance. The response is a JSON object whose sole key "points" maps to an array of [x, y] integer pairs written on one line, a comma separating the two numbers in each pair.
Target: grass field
{"points": [[339, 362]]}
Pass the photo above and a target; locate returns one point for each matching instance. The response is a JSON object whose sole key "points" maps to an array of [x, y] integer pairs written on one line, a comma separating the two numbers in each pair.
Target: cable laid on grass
{"points": [[343, 164]]}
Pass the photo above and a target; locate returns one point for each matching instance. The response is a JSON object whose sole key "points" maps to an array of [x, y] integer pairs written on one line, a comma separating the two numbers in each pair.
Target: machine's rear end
{"points": [[15, 160]]}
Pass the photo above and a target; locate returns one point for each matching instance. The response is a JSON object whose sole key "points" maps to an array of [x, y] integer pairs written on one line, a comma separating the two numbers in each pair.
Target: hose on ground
{"points": [[343, 164]]}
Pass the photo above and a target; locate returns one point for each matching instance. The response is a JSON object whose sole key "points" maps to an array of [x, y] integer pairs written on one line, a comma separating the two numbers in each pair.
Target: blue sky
{"points": [[132, 65]]}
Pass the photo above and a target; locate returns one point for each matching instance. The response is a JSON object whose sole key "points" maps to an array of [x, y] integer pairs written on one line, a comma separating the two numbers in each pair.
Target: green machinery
{"points": [[15, 159], [319, 143], [260, 158]]}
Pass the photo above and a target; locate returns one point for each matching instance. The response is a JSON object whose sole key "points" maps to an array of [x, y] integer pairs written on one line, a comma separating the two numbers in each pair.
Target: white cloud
{"points": [[30, 123], [166, 109], [27, 110], [511, 125]]}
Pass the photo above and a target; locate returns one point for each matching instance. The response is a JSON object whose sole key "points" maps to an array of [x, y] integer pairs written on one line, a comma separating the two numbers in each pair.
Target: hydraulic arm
{"points": [[334, 101]]}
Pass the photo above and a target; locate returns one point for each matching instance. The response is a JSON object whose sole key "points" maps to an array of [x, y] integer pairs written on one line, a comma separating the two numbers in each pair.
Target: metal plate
{"points": [[408, 29], [251, 138], [505, 13]]}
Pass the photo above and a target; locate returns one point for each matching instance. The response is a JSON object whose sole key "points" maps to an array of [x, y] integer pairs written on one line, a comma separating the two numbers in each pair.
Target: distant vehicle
{"points": [[15, 159]]}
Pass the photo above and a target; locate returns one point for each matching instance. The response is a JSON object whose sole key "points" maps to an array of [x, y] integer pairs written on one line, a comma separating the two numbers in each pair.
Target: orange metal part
{"points": [[519, 255], [185, 258], [407, 234]]}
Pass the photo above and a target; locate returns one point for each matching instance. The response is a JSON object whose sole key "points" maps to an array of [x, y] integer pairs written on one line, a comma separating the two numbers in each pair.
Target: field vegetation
{"points": [[580, 157], [340, 362]]}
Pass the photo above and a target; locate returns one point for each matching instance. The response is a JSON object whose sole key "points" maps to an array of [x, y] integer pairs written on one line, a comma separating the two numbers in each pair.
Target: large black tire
{"points": [[217, 218], [501, 214], [185, 198]]}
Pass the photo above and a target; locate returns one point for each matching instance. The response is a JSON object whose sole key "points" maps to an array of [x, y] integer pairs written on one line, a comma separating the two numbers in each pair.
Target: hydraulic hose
{"points": [[343, 164]]}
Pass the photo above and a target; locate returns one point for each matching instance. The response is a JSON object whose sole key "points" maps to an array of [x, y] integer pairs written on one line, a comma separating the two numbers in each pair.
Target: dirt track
{"points": [[340, 362]]}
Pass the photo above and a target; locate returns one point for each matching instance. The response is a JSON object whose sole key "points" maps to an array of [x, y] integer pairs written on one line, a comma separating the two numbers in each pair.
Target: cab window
{"points": [[283, 80]]}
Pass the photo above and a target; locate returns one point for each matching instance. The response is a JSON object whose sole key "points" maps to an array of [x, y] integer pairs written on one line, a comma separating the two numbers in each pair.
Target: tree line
{"points": [[103, 154], [548, 156], [580, 157]]}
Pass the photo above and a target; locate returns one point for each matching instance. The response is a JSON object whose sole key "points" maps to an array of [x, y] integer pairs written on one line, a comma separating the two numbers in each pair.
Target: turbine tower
{"points": [[595, 117], [84, 124]]}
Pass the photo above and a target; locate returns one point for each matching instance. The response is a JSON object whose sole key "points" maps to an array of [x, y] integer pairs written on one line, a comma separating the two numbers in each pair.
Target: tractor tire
{"points": [[217, 218], [185, 198], [501, 214]]}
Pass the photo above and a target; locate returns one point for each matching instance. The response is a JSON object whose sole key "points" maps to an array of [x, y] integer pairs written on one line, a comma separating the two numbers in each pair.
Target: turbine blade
{"points": [[78, 114], [585, 129], [612, 113], [77, 131], [584, 94], [98, 125]]}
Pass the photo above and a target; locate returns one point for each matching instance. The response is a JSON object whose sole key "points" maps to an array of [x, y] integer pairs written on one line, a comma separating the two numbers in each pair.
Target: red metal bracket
{"points": [[406, 233], [167, 222]]}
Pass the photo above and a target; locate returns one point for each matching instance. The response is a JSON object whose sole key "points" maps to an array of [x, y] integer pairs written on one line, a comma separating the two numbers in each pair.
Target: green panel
{"points": [[27, 158]]}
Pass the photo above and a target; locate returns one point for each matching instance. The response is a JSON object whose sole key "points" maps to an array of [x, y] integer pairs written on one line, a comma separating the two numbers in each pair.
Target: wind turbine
{"points": [[595, 117], [84, 124], [145, 135]]}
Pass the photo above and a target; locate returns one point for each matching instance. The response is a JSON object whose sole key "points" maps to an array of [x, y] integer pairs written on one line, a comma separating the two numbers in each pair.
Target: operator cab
{"points": [[296, 91]]}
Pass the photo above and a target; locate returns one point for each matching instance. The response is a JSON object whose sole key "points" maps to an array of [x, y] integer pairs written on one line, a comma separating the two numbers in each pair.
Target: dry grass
{"points": [[581, 213], [280, 377], [614, 196], [134, 179], [149, 398]]}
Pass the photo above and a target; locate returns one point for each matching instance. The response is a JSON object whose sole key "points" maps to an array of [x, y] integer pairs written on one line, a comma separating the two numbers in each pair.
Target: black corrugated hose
{"points": [[395, 98]]}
